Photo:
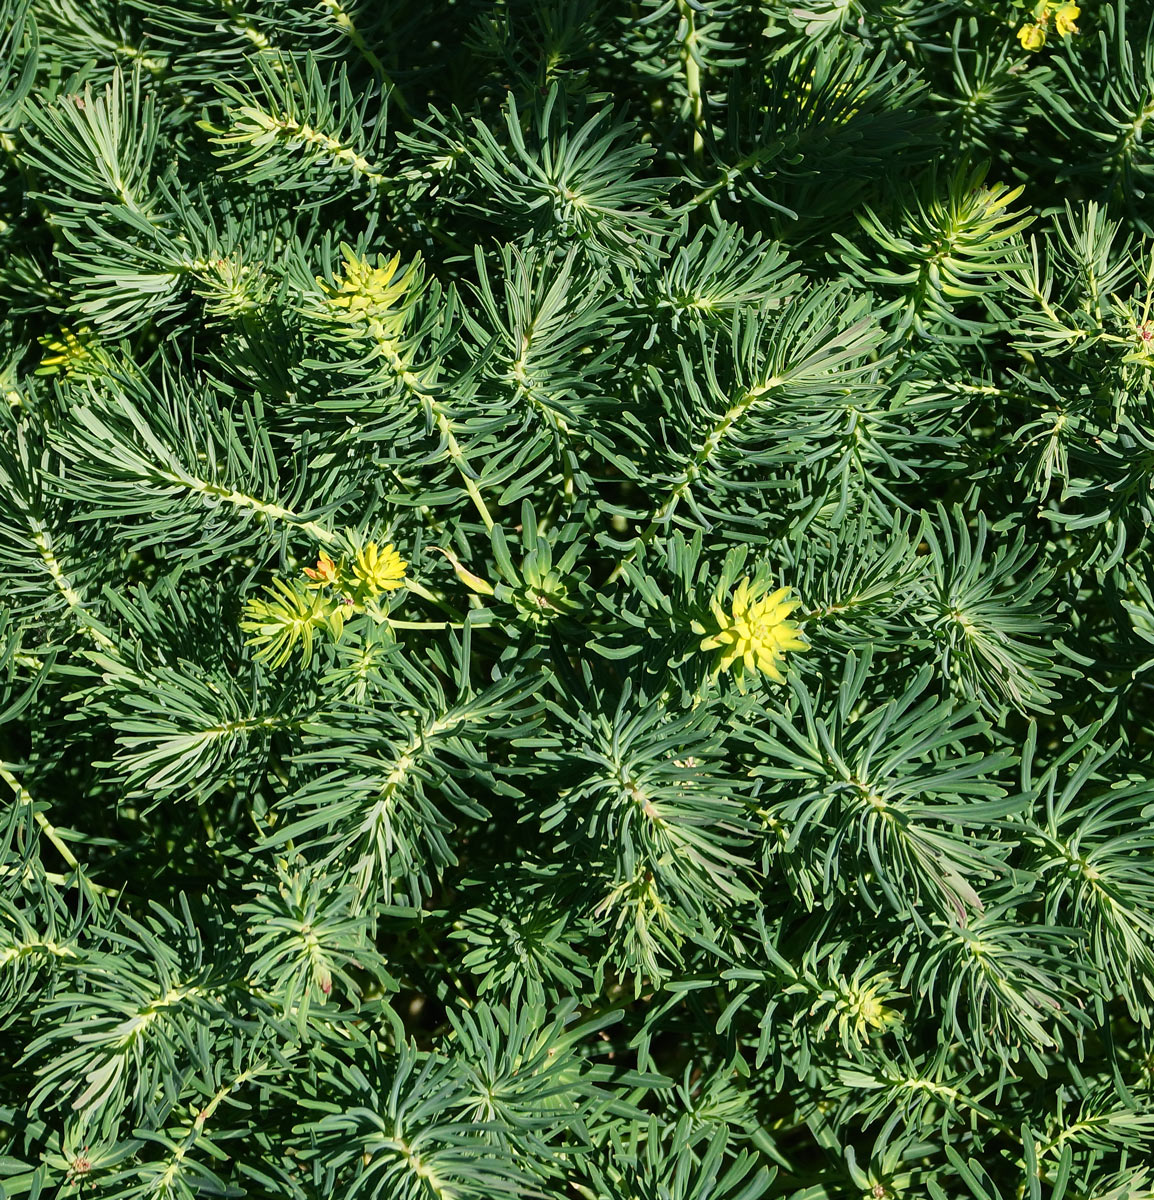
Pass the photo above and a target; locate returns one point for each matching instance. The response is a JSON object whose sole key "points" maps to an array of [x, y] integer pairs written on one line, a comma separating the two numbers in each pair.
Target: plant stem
{"points": [[692, 67], [693, 468], [23, 796], [413, 385], [43, 543]]}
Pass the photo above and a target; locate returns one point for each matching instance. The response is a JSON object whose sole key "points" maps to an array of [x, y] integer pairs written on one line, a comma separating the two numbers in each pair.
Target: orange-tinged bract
{"points": [[324, 573]]}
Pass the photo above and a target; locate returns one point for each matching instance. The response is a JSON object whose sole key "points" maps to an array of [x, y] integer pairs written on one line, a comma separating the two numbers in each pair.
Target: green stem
{"points": [[348, 27], [43, 543], [413, 385], [692, 67], [726, 177], [458, 457], [58, 880], [23, 796], [392, 624], [418, 589], [243, 25], [693, 468], [275, 512]]}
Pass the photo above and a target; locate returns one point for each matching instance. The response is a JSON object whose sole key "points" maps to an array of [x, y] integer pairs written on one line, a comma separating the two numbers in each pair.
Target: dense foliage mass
{"points": [[577, 609]]}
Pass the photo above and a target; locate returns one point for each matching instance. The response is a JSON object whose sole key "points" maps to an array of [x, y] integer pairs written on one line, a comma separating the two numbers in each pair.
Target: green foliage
{"points": [[578, 601]]}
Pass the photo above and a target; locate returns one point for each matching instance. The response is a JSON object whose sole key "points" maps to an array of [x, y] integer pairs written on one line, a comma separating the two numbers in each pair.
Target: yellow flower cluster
{"points": [[1032, 35], [861, 1008], [375, 570], [364, 289], [67, 353], [371, 296], [379, 570], [291, 614], [756, 635]]}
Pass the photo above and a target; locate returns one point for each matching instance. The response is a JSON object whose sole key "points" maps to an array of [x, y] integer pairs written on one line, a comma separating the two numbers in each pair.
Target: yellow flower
{"points": [[1032, 37], [324, 573], [1064, 19], [365, 288], [369, 294], [379, 570], [861, 1008], [757, 635], [67, 353]]}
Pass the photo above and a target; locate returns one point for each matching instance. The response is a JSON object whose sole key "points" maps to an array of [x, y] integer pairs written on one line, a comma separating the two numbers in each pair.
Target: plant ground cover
{"points": [[578, 607]]}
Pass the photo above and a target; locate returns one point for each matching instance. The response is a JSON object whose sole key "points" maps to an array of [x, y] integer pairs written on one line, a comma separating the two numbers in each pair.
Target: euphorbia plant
{"points": [[578, 600]]}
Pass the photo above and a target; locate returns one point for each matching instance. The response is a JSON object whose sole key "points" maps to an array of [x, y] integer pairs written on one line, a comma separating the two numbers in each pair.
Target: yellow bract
{"points": [[1032, 37], [862, 1008], [379, 570], [1064, 19], [757, 634], [285, 617], [369, 293], [66, 353]]}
